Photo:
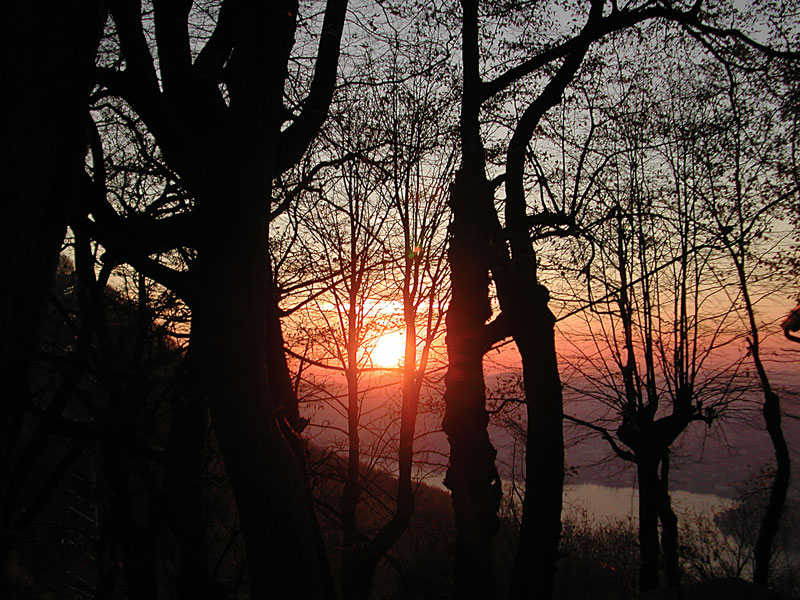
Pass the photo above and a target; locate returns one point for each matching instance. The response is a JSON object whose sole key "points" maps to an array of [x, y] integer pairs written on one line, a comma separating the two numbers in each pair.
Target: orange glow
{"points": [[389, 350]]}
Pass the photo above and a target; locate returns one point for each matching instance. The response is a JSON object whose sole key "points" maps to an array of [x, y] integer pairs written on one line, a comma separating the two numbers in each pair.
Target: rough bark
{"points": [[477, 244], [472, 475], [512, 261]]}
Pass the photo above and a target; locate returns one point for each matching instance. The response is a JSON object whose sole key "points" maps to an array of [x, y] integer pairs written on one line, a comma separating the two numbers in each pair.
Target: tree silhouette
{"points": [[484, 241], [46, 65], [215, 107], [759, 185], [204, 118], [377, 227]]}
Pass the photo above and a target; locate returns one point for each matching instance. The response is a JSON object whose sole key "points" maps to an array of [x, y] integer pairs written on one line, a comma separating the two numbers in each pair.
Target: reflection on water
{"points": [[621, 502], [604, 502]]}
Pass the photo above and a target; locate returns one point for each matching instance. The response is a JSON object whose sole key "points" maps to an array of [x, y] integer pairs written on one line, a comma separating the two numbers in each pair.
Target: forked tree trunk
{"points": [[225, 150], [655, 506], [360, 564], [650, 443]]}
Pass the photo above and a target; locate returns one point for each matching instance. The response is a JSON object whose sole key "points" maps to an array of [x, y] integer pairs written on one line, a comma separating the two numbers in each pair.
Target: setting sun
{"points": [[389, 350]]}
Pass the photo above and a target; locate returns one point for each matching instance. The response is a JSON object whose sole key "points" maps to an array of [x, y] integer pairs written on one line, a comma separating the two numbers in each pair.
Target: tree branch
{"points": [[294, 141], [495, 331], [606, 435], [211, 60], [172, 38]]}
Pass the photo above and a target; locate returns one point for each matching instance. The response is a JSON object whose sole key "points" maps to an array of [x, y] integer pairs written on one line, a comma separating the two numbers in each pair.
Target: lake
{"points": [[606, 502]]}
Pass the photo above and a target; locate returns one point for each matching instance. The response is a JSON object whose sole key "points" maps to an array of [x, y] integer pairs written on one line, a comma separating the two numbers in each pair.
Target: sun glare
{"points": [[389, 350]]}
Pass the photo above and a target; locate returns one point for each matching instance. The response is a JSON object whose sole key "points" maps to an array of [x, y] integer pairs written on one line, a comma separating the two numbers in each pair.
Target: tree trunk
{"points": [[135, 537], [649, 492], [359, 568], [777, 493], [524, 303], [46, 58], [669, 528], [537, 548], [229, 331], [771, 410], [357, 565], [350, 493], [472, 475], [131, 527], [184, 491], [280, 382]]}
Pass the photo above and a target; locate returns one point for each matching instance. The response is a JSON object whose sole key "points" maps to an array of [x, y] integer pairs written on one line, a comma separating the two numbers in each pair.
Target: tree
{"points": [[47, 57], [346, 226], [126, 162], [650, 355], [378, 228], [103, 394], [684, 193], [215, 107], [482, 242], [419, 164], [748, 181]]}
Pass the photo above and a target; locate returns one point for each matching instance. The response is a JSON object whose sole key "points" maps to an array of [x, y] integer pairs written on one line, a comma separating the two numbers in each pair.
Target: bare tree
{"points": [[747, 182], [214, 103], [482, 241], [666, 326], [379, 229]]}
